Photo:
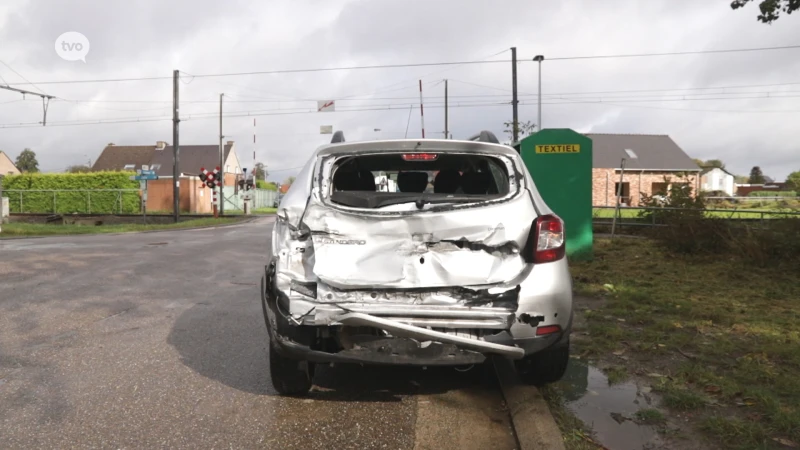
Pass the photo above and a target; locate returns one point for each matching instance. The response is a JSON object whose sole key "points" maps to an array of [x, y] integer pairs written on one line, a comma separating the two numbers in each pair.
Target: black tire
{"points": [[290, 376], [547, 366]]}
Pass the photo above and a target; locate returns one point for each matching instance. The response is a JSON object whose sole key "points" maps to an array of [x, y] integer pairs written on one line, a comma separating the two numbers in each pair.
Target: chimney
{"points": [[110, 144], [161, 145], [229, 143]]}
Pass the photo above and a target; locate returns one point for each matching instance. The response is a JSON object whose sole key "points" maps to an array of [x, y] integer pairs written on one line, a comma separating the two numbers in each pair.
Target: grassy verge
{"points": [[577, 435], [238, 212], [719, 336], [28, 229], [633, 213]]}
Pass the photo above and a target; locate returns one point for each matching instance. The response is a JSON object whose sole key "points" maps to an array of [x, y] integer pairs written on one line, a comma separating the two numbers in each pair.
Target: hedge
{"points": [[261, 184], [772, 194], [74, 193]]}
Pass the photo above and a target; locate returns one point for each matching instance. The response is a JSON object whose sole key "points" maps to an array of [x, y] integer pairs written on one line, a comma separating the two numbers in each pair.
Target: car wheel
{"points": [[290, 376], [547, 366]]}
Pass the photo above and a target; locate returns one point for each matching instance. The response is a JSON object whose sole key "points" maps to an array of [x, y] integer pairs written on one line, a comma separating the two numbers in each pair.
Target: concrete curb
{"points": [[533, 423], [203, 227]]}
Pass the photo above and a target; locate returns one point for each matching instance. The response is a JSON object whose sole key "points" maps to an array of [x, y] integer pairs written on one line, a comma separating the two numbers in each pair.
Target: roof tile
{"points": [[653, 152]]}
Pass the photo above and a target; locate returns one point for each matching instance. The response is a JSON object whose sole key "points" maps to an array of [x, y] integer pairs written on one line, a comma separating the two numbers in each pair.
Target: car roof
{"points": [[411, 145]]}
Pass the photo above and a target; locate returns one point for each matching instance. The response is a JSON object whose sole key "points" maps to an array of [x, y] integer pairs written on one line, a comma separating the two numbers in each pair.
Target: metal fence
{"points": [[629, 215], [261, 198], [68, 201], [110, 201]]}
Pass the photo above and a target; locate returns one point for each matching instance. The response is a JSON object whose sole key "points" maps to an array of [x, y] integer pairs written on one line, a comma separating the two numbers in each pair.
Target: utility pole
{"points": [[45, 99], [446, 129], [221, 206], [421, 111], [619, 197], [514, 100], [539, 59], [176, 173]]}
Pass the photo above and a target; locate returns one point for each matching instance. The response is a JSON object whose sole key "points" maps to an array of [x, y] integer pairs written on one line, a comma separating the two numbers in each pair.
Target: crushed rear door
{"points": [[418, 239]]}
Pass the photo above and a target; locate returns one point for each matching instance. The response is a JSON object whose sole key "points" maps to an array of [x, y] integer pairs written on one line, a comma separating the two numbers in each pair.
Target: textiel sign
{"points": [[559, 148]]}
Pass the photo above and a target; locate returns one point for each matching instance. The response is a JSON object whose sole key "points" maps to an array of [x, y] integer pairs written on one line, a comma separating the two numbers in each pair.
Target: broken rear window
{"points": [[374, 181]]}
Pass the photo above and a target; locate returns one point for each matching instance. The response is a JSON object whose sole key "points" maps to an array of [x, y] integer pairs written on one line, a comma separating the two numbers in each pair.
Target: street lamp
{"points": [[539, 59]]}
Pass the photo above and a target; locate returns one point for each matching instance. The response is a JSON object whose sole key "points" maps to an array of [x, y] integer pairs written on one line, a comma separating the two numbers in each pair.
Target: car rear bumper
{"points": [[408, 343]]}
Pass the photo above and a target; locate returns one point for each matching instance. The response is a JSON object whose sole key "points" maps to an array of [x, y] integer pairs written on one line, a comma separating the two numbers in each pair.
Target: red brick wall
{"points": [[743, 191], [159, 195], [604, 184]]}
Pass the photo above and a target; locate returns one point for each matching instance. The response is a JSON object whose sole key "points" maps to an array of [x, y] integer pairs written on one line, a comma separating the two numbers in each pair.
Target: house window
{"points": [[155, 166], [658, 189], [626, 192], [228, 169], [631, 153], [129, 167]]}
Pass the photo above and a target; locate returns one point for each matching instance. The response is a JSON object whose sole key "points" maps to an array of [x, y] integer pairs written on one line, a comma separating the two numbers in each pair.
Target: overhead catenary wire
{"points": [[44, 96], [407, 65], [696, 52], [553, 94], [201, 116], [436, 72], [285, 169], [23, 77]]}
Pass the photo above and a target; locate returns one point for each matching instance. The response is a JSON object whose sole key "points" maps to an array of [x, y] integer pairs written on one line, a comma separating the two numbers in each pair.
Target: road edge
{"points": [[534, 425], [202, 227]]}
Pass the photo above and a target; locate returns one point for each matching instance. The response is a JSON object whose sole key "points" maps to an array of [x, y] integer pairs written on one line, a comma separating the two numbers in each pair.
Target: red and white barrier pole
{"points": [[421, 112], [214, 202]]}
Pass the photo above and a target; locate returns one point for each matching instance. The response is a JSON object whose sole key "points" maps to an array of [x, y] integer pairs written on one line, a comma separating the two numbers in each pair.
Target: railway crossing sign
{"points": [[211, 179]]}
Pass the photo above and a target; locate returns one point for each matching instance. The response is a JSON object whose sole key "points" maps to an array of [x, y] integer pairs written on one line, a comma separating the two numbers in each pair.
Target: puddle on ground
{"points": [[608, 409]]}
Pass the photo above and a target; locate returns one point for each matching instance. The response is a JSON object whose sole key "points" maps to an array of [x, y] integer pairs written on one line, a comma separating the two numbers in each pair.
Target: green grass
{"points": [[650, 416], [28, 229], [633, 213], [238, 212], [724, 333], [680, 397], [576, 434], [616, 374], [737, 433]]}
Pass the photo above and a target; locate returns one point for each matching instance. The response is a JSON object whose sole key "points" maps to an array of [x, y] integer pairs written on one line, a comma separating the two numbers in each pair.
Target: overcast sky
{"points": [[151, 38]]}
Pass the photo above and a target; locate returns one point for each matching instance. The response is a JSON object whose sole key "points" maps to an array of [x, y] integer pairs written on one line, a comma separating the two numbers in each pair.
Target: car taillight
{"points": [[547, 329], [420, 156], [548, 239]]}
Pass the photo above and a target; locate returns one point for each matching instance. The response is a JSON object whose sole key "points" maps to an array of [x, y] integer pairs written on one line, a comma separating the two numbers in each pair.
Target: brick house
{"points": [[653, 163], [195, 197], [7, 166]]}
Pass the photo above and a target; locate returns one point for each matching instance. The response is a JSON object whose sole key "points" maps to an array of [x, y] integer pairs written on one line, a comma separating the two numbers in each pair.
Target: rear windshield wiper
{"points": [[425, 200]]}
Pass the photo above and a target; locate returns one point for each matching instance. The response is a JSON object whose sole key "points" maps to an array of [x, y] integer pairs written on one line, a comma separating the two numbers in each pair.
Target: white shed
{"points": [[716, 179]]}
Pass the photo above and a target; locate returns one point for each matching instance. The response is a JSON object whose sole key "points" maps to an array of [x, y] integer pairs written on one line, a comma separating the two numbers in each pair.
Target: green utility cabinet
{"points": [[560, 162]]}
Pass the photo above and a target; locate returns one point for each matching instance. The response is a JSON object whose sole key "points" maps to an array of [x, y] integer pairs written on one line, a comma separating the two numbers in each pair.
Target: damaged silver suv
{"points": [[454, 259]]}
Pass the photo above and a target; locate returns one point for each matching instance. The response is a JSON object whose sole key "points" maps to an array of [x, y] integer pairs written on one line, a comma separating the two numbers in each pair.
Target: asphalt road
{"points": [[157, 340]]}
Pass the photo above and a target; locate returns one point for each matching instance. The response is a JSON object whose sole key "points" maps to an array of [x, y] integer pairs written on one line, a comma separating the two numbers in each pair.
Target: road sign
{"points": [[145, 176]]}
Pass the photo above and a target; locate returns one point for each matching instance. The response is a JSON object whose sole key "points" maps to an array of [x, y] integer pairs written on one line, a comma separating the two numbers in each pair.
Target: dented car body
{"points": [[463, 261]]}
